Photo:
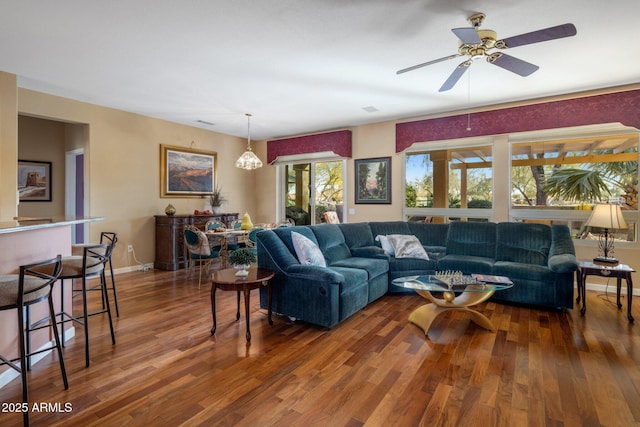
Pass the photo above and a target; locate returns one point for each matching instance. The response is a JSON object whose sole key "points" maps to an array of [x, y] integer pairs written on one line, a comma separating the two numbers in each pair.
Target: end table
{"points": [[619, 271], [227, 280]]}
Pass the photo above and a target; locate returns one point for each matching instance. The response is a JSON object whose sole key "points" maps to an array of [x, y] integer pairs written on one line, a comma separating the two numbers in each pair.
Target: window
{"points": [[558, 180], [311, 189], [444, 182]]}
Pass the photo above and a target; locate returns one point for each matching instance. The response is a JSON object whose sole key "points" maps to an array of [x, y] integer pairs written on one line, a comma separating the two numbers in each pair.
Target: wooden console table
{"points": [[170, 250]]}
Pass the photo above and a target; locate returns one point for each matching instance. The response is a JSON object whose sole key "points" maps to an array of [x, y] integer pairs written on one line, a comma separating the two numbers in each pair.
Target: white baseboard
{"points": [[139, 267], [10, 374], [611, 288]]}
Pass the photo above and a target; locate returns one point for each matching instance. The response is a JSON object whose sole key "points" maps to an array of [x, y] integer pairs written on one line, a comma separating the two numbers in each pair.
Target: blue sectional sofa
{"points": [[539, 259]]}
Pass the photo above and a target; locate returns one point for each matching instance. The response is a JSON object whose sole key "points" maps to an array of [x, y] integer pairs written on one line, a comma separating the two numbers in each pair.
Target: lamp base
{"points": [[605, 260]]}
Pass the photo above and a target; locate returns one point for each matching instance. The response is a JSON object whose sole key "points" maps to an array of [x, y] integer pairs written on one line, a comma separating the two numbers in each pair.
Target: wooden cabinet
{"points": [[170, 250]]}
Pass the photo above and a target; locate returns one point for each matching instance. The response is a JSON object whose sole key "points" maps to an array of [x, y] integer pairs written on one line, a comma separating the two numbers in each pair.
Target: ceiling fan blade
{"points": [[467, 35], [424, 64], [551, 33], [455, 76], [513, 64]]}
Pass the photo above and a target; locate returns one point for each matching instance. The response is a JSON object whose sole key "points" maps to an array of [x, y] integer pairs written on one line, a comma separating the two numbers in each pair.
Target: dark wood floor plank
{"points": [[539, 368]]}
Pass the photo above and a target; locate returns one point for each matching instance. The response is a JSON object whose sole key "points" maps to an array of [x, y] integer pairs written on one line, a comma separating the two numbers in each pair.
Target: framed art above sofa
{"points": [[373, 180]]}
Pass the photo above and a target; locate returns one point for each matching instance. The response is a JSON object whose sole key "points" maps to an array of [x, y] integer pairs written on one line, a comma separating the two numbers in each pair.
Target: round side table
{"points": [[226, 280]]}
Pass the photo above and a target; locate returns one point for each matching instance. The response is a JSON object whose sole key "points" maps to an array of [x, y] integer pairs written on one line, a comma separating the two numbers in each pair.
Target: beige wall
{"points": [[122, 165], [8, 146]]}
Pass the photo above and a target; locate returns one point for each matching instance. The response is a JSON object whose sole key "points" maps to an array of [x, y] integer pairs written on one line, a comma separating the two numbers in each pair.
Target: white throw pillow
{"points": [[386, 246], [407, 246], [308, 253]]}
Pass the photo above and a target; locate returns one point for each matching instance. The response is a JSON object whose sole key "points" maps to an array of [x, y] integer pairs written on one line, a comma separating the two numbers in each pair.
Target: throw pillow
{"points": [[386, 246], [308, 253], [407, 246]]}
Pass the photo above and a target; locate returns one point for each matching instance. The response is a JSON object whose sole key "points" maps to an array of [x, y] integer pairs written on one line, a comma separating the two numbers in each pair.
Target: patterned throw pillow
{"points": [[308, 253], [407, 246], [386, 246]]}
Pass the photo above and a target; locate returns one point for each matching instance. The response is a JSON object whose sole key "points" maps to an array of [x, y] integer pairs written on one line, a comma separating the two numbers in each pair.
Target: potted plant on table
{"points": [[216, 199], [241, 259]]}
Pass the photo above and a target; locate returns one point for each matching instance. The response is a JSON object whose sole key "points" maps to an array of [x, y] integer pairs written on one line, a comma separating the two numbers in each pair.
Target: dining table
{"points": [[222, 238]]}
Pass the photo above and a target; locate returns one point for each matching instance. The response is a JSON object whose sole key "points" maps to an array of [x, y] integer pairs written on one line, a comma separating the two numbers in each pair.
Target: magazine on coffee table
{"points": [[488, 278]]}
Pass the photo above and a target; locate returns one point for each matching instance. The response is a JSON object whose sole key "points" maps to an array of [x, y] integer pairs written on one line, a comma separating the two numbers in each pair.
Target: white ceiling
{"points": [[302, 66]]}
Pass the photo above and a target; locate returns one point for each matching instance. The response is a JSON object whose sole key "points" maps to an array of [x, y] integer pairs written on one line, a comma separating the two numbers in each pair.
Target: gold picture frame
{"points": [[186, 172]]}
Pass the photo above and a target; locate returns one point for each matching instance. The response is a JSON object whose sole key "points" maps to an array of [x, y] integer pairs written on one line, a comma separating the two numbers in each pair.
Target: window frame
{"points": [[312, 159], [422, 147], [502, 180]]}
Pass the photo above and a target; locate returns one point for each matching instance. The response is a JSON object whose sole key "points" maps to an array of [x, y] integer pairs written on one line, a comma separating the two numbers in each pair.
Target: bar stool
{"points": [[17, 291], [105, 237], [91, 264]]}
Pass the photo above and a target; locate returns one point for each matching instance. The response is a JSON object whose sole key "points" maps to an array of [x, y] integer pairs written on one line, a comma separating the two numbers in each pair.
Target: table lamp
{"points": [[606, 216]]}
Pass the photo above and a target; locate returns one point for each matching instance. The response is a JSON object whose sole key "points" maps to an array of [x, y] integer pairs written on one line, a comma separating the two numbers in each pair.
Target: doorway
{"points": [[74, 192]]}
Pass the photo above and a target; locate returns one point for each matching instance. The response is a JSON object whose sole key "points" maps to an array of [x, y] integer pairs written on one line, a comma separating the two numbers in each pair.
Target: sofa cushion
{"points": [[407, 246], [331, 242], [411, 265], [467, 264], [308, 252], [524, 243], [354, 291], [476, 239], [357, 235], [518, 270], [373, 267], [429, 234], [389, 227]]}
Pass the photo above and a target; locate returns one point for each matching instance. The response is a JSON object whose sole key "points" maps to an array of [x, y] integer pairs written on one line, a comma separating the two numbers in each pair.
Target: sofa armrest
{"points": [[314, 273], [368, 252], [563, 263]]}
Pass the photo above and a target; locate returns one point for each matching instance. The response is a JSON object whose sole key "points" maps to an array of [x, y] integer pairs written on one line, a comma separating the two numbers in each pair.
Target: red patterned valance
{"points": [[619, 107], [339, 142]]}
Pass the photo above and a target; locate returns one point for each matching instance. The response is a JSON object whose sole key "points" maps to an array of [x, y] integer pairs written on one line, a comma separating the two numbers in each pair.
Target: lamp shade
{"points": [[248, 161], [607, 215]]}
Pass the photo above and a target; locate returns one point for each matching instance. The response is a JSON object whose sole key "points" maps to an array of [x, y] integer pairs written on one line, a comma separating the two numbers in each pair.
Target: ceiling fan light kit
{"points": [[476, 43]]}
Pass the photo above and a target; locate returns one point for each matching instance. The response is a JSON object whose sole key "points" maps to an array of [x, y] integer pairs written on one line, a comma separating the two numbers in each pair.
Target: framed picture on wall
{"points": [[34, 181], [373, 180], [186, 172]]}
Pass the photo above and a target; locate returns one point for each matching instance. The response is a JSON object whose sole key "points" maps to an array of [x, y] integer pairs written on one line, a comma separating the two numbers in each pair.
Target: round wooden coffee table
{"points": [[227, 280]]}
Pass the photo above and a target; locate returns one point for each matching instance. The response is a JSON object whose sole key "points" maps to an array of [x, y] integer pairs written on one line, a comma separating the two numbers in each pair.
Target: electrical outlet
{"points": [[130, 248]]}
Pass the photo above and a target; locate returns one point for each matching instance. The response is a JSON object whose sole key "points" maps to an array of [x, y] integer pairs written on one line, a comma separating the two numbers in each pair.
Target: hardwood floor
{"points": [[376, 369]]}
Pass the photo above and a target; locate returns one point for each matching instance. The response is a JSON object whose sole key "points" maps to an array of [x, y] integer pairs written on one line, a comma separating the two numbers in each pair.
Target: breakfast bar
{"points": [[22, 242]]}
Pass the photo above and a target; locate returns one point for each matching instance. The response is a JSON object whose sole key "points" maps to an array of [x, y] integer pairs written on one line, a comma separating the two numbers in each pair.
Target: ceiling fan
{"points": [[476, 43]]}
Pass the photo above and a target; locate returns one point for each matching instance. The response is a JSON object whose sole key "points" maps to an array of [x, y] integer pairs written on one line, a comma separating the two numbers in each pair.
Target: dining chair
{"points": [[331, 217], [214, 225], [251, 241], [199, 250]]}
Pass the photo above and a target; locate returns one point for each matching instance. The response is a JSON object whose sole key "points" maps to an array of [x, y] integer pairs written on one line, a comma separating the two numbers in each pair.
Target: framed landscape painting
{"points": [[186, 172], [373, 180], [34, 181]]}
